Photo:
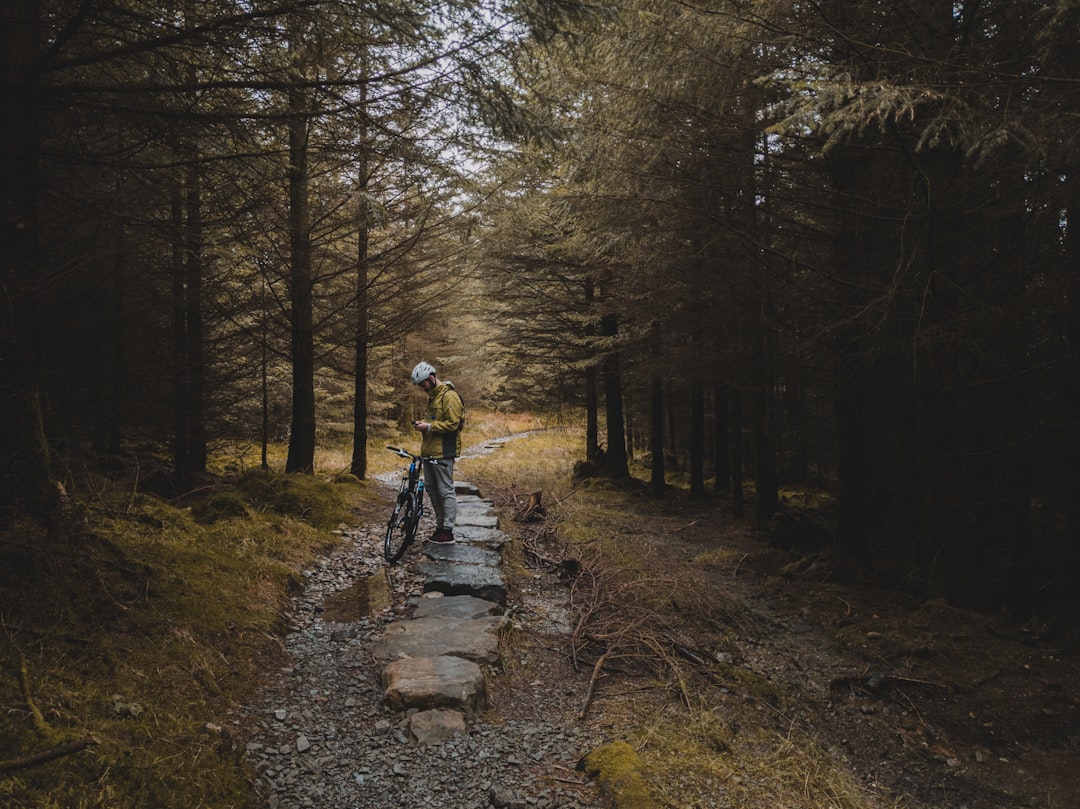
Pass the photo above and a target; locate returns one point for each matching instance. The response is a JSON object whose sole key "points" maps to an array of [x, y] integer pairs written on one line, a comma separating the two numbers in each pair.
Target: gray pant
{"points": [[439, 482]]}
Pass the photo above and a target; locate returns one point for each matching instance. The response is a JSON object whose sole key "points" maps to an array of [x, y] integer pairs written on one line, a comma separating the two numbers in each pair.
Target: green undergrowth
{"points": [[705, 751], [133, 630], [697, 723]]}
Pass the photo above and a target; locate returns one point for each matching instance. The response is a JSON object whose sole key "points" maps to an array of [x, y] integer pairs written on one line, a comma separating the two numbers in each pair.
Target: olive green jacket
{"points": [[446, 417]]}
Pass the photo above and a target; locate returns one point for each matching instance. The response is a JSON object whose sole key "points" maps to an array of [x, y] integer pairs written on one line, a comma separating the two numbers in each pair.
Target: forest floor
{"points": [[741, 674], [745, 675]]}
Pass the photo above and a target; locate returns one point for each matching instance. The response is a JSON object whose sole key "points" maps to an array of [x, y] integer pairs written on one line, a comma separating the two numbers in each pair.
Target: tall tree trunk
{"points": [[109, 358], [657, 479], [767, 499], [358, 462], [1015, 483], [592, 415], [195, 343], [117, 332], [264, 369], [189, 433], [945, 490], [181, 436], [616, 463], [722, 474], [671, 424], [358, 465], [24, 473], [592, 395], [738, 501], [697, 441], [766, 484], [301, 457], [852, 466], [1070, 443]]}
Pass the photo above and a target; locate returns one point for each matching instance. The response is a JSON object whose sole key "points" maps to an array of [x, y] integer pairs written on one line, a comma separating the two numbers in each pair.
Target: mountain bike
{"points": [[408, 507]]}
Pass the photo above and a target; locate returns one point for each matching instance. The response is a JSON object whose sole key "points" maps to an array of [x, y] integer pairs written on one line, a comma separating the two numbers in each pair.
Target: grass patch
{"points": [[136, 628], [139, 626], [659, 641]]}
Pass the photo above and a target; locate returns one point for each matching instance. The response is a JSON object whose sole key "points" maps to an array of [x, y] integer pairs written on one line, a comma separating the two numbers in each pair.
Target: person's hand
{"points": [[422, 426]]}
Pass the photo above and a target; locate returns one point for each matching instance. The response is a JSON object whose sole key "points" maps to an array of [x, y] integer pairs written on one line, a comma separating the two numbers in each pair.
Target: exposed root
{"points": [[46, 755]]}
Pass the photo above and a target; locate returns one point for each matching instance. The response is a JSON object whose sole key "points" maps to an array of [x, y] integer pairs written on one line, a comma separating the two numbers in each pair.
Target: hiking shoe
{"points": [[443, 536]]}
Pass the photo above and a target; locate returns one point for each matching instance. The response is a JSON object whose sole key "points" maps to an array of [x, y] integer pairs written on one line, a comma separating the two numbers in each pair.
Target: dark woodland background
{"points": [[763, 248]]}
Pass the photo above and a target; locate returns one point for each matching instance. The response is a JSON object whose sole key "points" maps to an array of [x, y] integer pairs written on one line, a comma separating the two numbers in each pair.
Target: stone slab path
{"points": [[433, 659], [336, 726]]}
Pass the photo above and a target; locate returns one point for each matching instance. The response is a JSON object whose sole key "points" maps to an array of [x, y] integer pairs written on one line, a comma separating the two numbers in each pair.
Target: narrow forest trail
{"points": [[921, 704], [324, 735]]}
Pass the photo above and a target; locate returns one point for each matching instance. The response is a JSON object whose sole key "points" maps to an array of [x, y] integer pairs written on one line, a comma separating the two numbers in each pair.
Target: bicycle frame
{"points": [[408, 507]]}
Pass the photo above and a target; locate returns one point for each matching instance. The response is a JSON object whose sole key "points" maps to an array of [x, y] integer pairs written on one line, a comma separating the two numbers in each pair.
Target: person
{"points": [[442, 440]]}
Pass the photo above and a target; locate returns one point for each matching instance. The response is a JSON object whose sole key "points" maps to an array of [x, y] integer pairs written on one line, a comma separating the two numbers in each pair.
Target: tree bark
{"points": [[697, 441], [592, 396], [766, 501], [852, 467], [181, 436], [358, 465], [722, 474], [301, 456], [615, 461], [738, 501], [195, 338], [657, 480], [1070, 445], [24, 478]]}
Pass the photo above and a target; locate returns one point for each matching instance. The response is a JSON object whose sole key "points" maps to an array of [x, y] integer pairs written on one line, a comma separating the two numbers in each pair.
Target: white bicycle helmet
{"points": [[421, 372]]}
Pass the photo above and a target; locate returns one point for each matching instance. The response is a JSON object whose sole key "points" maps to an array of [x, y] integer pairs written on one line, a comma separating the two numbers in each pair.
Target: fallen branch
{"points": [[560, 500], [35, 713], [735, 572], [46, 755], [532, 509], [592, 686]]}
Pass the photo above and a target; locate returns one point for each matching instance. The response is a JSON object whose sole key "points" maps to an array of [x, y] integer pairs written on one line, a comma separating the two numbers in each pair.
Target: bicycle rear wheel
{"points": [[401, 529]]}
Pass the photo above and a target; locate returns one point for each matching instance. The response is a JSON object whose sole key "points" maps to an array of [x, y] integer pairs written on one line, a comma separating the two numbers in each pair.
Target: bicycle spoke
{"points": [[401, 529]]}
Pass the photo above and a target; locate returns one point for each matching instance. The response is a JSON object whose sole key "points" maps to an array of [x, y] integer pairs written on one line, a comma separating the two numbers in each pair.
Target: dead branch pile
{"points": [[628, 622], [634, 624]]}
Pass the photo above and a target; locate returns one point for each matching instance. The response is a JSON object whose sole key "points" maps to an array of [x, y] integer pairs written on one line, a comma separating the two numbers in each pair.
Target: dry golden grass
{"points": [[137, 625], [649, 628]]}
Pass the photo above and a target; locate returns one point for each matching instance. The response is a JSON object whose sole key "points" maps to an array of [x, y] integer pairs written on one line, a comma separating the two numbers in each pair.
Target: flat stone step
{"points": [[465, 488], [475, 639], [475, 519], [476, 516], [475, 501], [449, 578], [436, 605], [433, 660], [479, 535], [463, 553], [427, 683]]}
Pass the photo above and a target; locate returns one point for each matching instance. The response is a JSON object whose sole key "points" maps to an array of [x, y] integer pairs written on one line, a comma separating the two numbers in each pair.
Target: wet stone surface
{"points": [[326, 734]]}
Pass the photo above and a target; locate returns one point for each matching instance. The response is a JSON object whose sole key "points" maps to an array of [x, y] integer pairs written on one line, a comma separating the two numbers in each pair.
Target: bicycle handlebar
{"points": [[404, 453]]}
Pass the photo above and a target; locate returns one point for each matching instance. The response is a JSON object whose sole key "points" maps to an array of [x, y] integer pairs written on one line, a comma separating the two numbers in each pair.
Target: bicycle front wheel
{"points": [[401, 529]]}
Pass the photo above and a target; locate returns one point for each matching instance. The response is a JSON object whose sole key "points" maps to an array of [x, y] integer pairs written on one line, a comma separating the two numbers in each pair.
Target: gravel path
{"points": [[322, 736]]}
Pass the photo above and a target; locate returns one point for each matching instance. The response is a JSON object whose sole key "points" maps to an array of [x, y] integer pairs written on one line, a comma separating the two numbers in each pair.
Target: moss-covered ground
{"points": [[737, 672], [743, 672], [133, 628]]}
